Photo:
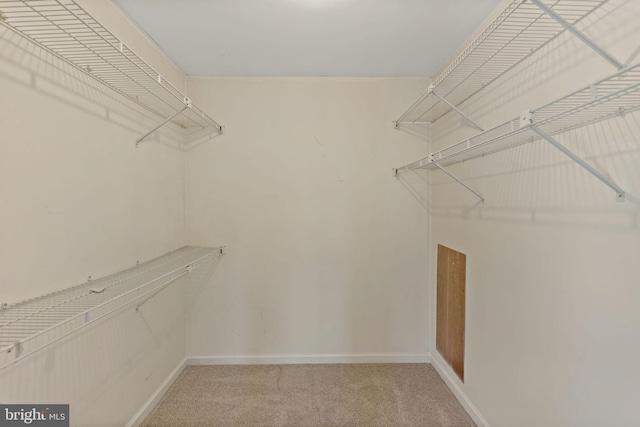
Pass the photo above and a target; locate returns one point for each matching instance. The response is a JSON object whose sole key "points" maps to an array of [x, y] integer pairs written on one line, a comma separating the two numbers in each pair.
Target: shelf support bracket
{"points": [[187, 104], [579, 34], [620, 195], [632, 57], [454, 108], [458, 181]]}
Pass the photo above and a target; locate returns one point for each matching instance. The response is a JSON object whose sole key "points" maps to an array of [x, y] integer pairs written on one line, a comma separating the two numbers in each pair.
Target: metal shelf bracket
{"points": [[459, 181], [432, 91], [187, 104], [620, 194], [579, 34]]}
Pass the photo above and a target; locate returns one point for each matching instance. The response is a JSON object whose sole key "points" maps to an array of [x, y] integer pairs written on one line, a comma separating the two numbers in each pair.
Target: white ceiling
{"points": [[359, 38]]}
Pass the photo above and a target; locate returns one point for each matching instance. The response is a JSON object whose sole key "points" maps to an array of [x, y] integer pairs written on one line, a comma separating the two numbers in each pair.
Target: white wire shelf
{"points": [[612, 96], [30, 326], [519, 31], [68, 32]]}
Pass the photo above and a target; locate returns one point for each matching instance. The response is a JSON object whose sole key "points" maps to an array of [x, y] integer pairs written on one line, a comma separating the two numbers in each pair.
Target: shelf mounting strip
{"points": [[67, 32], [521, 29], [612, 96]]}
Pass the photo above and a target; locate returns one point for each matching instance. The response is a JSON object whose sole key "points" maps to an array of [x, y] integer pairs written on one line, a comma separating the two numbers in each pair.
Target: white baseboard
{"points": [[146, 409], [309, 359], [447, 376], [437, 362]]}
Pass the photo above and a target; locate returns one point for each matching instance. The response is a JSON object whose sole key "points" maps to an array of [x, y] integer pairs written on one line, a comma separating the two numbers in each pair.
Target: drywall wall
{"points": [[552, 271], [79, 200], [327, 251], [107, 371]]}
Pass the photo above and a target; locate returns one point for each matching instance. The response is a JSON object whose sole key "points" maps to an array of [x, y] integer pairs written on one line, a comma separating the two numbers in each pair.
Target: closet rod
{"points": [[87, 321], [521, 29], [69, 33], [31, 332]]}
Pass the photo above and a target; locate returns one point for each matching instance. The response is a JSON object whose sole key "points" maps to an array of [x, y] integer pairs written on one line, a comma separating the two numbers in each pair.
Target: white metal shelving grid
{"points": [[614, 95], [65, 30], [520, 30], [32, 325]]}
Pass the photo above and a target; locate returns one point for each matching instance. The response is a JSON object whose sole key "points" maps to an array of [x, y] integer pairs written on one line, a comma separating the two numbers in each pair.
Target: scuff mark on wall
{"points": [[331, 165]]}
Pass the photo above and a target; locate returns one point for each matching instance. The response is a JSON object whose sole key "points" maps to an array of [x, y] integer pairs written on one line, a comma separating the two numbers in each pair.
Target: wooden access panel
{"points": [[450, 307]]}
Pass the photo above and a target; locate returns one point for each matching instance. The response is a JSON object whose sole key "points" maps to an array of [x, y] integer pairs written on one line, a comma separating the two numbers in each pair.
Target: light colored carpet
{"points": [[309, 395]]}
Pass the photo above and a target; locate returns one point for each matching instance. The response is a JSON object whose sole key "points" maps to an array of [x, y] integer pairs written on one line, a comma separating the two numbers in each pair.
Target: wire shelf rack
{"points": [[68, 32], [520, 30], [614, 95], [30, 326]]}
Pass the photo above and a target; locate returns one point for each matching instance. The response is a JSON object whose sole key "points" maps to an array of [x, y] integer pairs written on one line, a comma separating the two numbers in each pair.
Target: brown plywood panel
{"points": [[456, 311], [441, 302], [450, 307]]}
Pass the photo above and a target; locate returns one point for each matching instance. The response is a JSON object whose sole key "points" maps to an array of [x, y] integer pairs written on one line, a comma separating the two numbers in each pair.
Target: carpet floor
{"points": [[404, 395]]}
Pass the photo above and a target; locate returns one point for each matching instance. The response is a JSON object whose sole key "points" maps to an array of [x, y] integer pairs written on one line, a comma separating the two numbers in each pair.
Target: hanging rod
{"points": [[520, 30], [612, 96], [31, 326], [66, 31]]}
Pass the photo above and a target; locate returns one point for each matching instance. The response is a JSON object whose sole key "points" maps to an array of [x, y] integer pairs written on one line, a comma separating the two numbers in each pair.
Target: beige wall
{"points": [[327, 251], [78, 199], [552, 271]]}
